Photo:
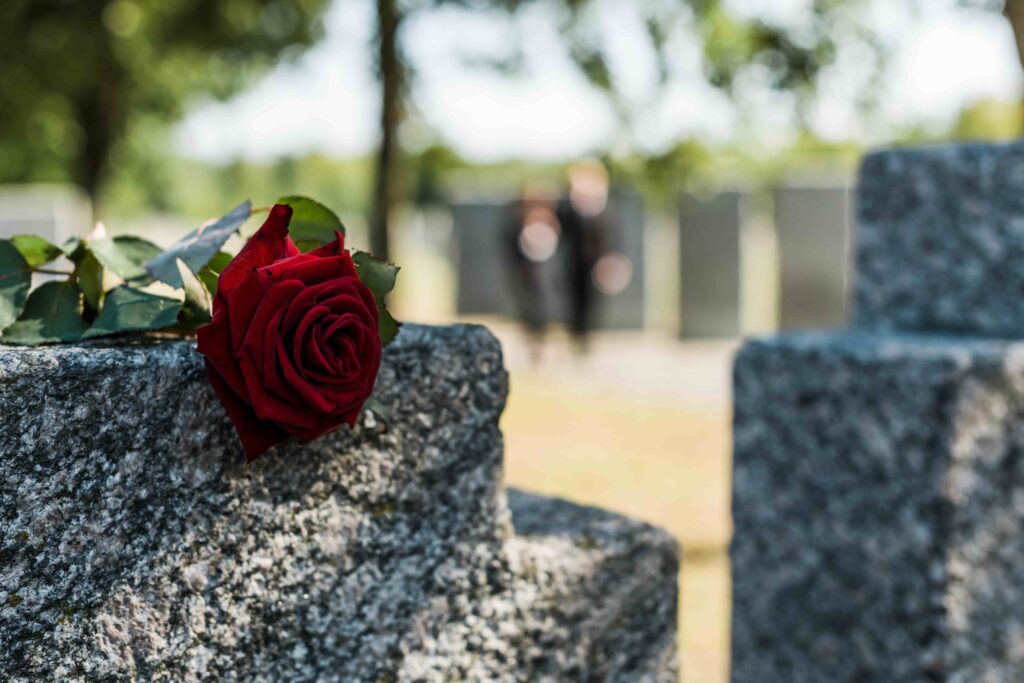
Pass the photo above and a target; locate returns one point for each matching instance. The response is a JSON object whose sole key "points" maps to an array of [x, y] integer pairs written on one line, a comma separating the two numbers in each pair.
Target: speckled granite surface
{"points": [[587, 596], [940, 240], [135, 544], [879, 510]]}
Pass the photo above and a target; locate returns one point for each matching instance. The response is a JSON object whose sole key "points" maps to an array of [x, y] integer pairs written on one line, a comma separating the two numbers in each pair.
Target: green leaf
{"points": [[35, 250], [198, 247], [127, 309], [125, 255], [15, 281], [219, 262], [53, 313], [388, 327], [374, 405], [73, 249], [380, 278], [197, 308], [210, 273], [312, 224], [90, 279]]}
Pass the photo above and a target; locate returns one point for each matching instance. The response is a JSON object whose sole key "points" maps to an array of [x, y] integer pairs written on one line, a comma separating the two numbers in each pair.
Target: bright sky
{"points": [[327, 101]]}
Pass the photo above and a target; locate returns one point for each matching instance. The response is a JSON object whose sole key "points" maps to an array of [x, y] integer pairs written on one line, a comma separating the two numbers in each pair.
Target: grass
{"points": [[658, 456]]}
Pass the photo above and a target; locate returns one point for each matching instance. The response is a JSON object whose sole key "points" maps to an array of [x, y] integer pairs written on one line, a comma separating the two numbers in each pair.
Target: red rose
{"points": [[293, 348]]}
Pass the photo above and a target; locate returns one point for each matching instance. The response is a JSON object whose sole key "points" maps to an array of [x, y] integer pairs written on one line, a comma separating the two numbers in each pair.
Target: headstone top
{"points": [[940, 240]]}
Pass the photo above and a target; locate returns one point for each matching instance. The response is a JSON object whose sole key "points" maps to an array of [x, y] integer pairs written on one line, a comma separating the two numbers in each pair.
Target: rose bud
{"points": [[293, 348]]}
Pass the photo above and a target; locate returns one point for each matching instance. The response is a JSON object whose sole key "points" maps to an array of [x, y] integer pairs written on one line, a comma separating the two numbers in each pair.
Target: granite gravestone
{"points": [[54, 212], [879, 473], [812, 224], [710, 238], [136, 544]]}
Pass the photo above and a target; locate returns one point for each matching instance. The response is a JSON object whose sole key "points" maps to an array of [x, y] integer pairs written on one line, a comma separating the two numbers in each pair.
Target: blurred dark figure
{"points": [[531, 240], [581, 215]]}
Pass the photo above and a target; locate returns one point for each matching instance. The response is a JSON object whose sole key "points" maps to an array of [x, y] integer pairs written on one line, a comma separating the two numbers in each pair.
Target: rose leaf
{"points": [[15, 281], [53, 313], [198, 247], [74, 249], [210, 273], [380, 277], [127, 309], [312, 223], [196, 311], [387, 326], [377, 407], [35, 250], [90, 279], [125, 256]]}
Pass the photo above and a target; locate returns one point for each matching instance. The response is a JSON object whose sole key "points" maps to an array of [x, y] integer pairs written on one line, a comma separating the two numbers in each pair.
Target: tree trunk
{"points": [[1014, 11], [391, 77], [91, 159]]}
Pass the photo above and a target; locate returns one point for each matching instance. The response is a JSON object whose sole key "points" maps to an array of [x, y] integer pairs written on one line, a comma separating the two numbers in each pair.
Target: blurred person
{"points": [[582, 217], [532, 239]]}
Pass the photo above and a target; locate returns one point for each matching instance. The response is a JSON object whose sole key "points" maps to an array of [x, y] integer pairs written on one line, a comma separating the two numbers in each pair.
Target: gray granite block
{"points": [[879, 510], [940, 240], [587, 596], [135, 543]]}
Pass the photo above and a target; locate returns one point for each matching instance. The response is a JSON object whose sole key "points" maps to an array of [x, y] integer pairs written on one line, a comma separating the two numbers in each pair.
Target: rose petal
{"points": [[256, 435], [214, 342], [314, 271], [270, 243]]}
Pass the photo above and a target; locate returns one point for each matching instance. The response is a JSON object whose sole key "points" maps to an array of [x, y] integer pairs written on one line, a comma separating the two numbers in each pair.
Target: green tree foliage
{"points": [[77, 77], [1013, 10], [789, 58]]}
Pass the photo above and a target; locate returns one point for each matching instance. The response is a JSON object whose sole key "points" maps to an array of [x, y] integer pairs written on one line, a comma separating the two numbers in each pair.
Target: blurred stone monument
{"points": [[878, 495], [54, 212], [482, 271], [710, 240], [481, 288], [812, 224]]}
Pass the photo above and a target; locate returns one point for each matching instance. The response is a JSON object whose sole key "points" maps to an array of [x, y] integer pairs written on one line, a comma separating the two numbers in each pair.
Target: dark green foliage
{"points": [[312, 224], [126, 309], [78, 78], [380, 278], [198, 247], [53, 313], [15, 280]]}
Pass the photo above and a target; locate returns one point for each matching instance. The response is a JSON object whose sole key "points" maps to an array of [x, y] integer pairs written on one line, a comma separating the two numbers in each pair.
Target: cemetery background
{"points": [[641, 425]]}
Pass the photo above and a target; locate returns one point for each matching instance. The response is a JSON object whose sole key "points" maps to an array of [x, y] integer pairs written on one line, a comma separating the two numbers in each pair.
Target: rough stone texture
{"points": [[940, 240], [879, 510], [589, 596], [135, 544]]}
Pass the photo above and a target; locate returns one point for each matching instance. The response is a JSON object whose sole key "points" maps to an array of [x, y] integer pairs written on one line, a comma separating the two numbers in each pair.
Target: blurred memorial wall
{"points": [[484, 244], [710, 261], [753, 262], [813, 225], [54, 212]]}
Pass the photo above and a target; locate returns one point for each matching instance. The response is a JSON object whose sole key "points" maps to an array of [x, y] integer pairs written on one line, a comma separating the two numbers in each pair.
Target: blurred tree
{"points": [[736, 47], [1013, 10], [76, 76]]}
